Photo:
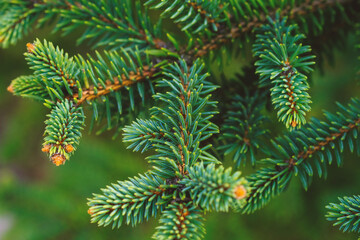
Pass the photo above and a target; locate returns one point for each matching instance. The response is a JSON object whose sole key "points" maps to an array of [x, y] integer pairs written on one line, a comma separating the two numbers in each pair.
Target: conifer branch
{"points": [[181, 221], [115, 85], [245, 22], [109, 23], [313, 146], [29, 86], [281, 65], [346, 213], [144, 134], [242, 130], [58, 77], [131, 201], [181, 164], [187, 113], [63, 131], [52, 65], [184, 182], [214, 189], [17, 18], [196, 15]]}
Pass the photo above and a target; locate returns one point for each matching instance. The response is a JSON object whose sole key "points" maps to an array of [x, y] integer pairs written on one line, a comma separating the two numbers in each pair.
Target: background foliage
{"points": [[45, 202]]}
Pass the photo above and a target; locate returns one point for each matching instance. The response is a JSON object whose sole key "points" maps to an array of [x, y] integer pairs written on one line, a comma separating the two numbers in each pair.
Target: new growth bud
{"points": [[10, 88], [240, 192], [58, 159], [30, 47], [69, 148], [46, 148]]}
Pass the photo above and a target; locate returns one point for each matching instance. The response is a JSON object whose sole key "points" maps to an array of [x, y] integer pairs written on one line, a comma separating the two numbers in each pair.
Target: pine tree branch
{"points": [[240, 29], [292, 154], [115, 85], [52, 65], [143, 134], [181, 221], [29, 86], [187, 112], [63, 131], [16, 19], [204, 13], [282, 64], [107, 23], [346, 213], [194, 15], [131, 201], [106, 17], [242, 129], [215, 188]]}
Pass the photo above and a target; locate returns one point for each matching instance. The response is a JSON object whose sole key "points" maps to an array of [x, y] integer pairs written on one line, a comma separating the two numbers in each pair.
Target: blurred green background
{"points": [[41, 201]]}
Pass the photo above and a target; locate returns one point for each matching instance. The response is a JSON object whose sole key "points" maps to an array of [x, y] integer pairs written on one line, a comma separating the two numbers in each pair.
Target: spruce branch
{"points": [[143, 134], [97, 81], [17, 18], [242, 130], [215, 188], [281, 65], [304, 151], [186, 111], [63, 131], [108, 23], [117, 71], [114, 24], [30, 87], [185, 182], [181, 221], [346, 213], [195, 15], [55, 67], [104, 80], [131, 201], [186, 178], [246, 16]]}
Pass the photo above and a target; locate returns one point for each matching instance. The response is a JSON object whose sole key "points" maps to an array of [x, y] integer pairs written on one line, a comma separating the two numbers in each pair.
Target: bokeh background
{"points": [[41, 201]]}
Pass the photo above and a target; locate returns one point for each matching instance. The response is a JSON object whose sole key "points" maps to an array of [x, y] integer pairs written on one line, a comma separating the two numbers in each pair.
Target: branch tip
{"points": [[30, 47], [240, 192], [58, 159], [10, 88]]}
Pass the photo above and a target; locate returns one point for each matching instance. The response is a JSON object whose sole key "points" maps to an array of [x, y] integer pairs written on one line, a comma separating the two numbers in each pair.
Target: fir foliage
{"points": [[304, 153], [54, 67], [104, 79], [346, 213], [181, 221], [214, 189], [278, 48], [99, 81], [17, 19], [242, 131], [63, 131], [109, 23], [195, 15], [30, 87], [184, 181], [131, 201], [185, 110]]}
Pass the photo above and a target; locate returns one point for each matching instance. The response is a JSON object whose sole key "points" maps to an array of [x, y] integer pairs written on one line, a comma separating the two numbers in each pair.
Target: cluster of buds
{"points": [[30, 47], [58, 158], [240, 192]]}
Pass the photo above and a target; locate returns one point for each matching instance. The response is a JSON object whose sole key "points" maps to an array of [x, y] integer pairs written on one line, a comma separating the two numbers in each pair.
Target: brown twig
{"points": [[239, 29], [116, 85]]}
